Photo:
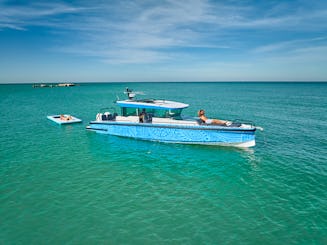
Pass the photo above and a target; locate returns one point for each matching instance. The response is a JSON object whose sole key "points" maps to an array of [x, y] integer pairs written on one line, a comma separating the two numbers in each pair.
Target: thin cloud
{"points": [[11, 26], [297, 21], [307, 55], [35, 14], [147, 34], [151, 31], [289, 45]]}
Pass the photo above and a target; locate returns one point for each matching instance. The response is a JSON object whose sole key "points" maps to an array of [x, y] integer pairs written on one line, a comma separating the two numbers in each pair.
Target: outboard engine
{"points": [[98, 117], [104, 117]]}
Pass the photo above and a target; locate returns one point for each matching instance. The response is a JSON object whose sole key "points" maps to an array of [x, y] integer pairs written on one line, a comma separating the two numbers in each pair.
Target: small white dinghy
{"points": [[64, 119]]}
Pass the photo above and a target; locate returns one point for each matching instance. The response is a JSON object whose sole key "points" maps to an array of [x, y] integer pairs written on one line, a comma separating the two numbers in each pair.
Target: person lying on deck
{"points": [[65, 118], [205, 120]]}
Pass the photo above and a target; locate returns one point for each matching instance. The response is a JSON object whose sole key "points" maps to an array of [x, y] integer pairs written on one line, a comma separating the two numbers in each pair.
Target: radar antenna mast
{"points": [[131, 94]]}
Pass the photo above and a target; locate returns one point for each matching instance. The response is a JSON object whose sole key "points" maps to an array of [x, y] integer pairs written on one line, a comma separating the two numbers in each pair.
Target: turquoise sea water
{"points": [[64, 184]]}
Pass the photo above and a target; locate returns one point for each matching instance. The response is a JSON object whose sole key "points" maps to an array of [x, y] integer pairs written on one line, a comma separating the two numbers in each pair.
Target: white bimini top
{"points": [[152, 104]]}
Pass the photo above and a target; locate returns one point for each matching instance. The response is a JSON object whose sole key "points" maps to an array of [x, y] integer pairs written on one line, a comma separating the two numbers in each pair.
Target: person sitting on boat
{"points": [[142, 116], [205, 120]]}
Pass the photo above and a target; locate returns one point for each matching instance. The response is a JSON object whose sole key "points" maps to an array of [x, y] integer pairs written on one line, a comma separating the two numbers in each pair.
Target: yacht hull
{"points": [[183, 134]]}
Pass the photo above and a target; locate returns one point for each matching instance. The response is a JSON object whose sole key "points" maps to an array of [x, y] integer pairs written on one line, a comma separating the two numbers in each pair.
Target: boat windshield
{"points": [[162, 113]]}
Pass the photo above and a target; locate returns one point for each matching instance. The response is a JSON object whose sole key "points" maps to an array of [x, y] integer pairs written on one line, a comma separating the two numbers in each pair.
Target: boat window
{"points": [[172, 113], [175, 113], [126, 111]]}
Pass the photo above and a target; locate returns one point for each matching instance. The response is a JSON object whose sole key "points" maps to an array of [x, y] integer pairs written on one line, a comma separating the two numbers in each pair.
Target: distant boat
{"points": [[64, 119], [66, 85], [48, 85], [41, 85], [161, 120]]}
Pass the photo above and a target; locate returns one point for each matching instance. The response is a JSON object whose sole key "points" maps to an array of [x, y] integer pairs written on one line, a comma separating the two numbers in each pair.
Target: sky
{"points": [[162, 40]]}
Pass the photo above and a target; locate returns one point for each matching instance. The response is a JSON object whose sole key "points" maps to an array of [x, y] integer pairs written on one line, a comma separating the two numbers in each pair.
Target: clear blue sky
{"points": [[173, 40]]}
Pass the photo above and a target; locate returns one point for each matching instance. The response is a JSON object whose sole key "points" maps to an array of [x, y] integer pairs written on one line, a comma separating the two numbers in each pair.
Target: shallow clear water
{"points": [[63, 184]]}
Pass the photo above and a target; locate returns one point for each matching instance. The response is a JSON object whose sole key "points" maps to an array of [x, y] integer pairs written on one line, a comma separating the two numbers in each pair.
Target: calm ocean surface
{"points": [[64, 184]]}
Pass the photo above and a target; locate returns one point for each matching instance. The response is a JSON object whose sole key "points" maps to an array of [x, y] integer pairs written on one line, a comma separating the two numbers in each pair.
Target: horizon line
{"points": [[96, 82]]}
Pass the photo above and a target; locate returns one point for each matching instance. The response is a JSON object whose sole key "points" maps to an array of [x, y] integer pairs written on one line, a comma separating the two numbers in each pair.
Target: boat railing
{"points": [[242, 121]]}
